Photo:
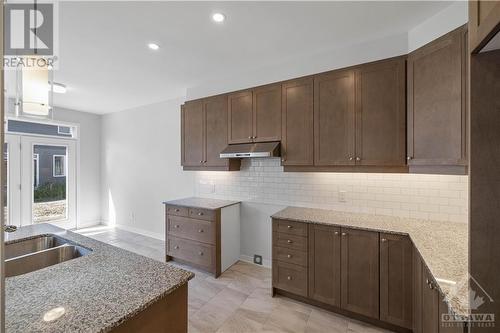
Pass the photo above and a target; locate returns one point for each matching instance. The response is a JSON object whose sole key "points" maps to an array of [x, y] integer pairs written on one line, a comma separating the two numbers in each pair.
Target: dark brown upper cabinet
{"points": [[334, 118], [324, 264], [437, 105], [193, 133], [396, 277], [297, 139], [484, 22], [360, 272], [255, 115], [204, 135], [381, 113]]}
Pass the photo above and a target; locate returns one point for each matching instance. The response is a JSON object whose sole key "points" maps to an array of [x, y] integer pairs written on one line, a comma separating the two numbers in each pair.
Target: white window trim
{"points": [[36, 157], [54, 166]]}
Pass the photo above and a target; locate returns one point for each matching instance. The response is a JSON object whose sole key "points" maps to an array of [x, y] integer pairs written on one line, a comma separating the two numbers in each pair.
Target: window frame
{"points": [[54, 166], [36, 182]]}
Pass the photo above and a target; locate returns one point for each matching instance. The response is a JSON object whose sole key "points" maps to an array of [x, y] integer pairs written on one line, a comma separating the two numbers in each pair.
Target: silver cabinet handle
{"points": [[177, 210], [358, 159], [289, 226], [408, 158], [289, 241], [289, 256], [289, 278], [200, 230], [177, 226], [200, 253], [250, 137], [344, 234], [336, 233], [351, 158], [201, 162], [176, 247], [200, 214], [383, 240]]}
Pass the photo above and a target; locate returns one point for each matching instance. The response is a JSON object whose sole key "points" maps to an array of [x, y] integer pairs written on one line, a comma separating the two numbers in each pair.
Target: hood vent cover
{"points": [[249, 150]]}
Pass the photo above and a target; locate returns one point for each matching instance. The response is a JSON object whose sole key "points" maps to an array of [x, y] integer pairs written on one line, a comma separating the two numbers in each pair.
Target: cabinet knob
{"points": [[200, 214], [177, 226], [250, 137], [289, 278], [289, 226], [383, 240], [408, 158], [200, 253], [351, 158], [176, 247], [344, 234], [200, 230], [201, 162], [289, 256], [289, 241], [336, 233], [358, 159], [177, 210]]}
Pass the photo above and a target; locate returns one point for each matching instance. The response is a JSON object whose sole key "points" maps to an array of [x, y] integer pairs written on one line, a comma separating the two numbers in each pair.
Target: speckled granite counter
{"points": [[98, 291], [205, 203], [442, 245]]}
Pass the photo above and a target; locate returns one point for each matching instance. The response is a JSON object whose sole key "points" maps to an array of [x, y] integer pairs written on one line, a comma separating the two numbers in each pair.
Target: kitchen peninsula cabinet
{"points": [[437, 105], [255, 115]]}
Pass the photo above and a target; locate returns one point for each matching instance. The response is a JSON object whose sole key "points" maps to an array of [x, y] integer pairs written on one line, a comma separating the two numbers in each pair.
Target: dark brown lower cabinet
{"points": [[417, 293], [360, 272], [396, 279], [430, 304], [324, 264]]}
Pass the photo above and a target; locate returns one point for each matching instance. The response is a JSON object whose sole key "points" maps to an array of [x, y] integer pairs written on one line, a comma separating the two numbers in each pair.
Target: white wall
{"points": [[89, 159], [141, 166], [266, 189], [443, 22]]}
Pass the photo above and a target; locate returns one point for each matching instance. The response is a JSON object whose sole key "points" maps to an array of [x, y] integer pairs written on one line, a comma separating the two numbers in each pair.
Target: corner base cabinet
{"points": [[207, 239], [367, 275]]}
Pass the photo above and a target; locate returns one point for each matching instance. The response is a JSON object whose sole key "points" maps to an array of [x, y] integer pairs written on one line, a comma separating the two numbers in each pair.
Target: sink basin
{"points": [[36, 253], [32, 245]]}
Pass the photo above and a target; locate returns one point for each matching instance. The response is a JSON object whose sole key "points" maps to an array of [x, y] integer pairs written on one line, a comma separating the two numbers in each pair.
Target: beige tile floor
{"points": [[240, 299]]}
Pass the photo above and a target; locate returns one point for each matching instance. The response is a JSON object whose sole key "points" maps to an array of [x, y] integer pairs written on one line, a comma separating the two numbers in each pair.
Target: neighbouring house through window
{"points": [[59, 166]]}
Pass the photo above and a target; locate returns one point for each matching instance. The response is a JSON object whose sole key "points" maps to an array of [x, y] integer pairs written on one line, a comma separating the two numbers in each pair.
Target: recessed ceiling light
{"points": [[218, 17], [153, 46]]}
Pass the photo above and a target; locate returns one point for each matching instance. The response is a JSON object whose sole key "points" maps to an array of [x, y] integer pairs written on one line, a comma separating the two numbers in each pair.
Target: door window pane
{"points": [[49, 183]]}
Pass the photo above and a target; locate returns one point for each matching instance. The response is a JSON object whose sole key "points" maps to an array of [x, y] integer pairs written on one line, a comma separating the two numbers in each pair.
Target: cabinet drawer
{"points": [[290, 227], [184, 227], [177, 210], [290, 256], [202, 214], [289, 277], [191, 251], [289, 241]]}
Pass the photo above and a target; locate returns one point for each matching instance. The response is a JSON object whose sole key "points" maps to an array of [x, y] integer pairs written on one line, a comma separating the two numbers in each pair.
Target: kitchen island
{"points": [[107, 290]]}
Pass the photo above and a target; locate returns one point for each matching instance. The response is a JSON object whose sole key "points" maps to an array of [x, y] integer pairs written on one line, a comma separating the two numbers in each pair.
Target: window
{"points": [[36, 170], [59, 166]]}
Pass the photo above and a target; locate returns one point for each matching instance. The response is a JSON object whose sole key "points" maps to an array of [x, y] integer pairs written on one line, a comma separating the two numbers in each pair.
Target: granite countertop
{"points": [[205, 203], [442, 245], [98, 291]]}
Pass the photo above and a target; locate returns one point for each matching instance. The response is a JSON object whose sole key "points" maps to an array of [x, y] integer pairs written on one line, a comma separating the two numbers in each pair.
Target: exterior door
{"points": [[324, 264], [267, 113], [240, 117], [334, 118], [192, 132], [297, 142], [360, 272]]}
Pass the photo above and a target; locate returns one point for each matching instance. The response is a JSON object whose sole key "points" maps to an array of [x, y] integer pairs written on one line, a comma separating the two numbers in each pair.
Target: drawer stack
{"points": [[290, 256], [192, 237]]}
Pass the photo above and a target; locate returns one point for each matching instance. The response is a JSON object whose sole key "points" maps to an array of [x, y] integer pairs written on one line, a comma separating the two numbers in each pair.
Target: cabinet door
{"points": [[193, 134], [381, 113], [324, 264], [417, 293], [267, 113], [334, 118], [430, 304], [360, 272], [436, 102], [240, 117], [484, 22], [396, 280], [297, 142], [216, 130]]}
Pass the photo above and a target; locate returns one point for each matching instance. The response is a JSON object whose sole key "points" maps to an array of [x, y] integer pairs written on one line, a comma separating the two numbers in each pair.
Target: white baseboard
{"points": [[86, 224], [156, 235], [265, 263]]}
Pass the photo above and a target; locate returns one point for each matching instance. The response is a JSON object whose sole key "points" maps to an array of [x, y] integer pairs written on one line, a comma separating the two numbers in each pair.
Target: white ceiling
{"points": [[105, 62]]}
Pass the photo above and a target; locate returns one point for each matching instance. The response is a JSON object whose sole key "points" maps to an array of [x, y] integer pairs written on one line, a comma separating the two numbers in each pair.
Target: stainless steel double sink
{"points": [[28, 255]]}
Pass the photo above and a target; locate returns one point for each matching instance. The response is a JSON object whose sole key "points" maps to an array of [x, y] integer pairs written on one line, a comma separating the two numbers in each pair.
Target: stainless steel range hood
{"points": [[249, 150]]}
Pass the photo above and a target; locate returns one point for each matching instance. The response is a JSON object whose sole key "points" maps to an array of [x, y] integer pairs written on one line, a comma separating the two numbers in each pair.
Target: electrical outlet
{"points": [[257, 259], [342, 196]]}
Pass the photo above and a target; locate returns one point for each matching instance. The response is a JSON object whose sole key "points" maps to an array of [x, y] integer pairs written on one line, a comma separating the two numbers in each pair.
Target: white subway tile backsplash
{"points": [[434, 197]]}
